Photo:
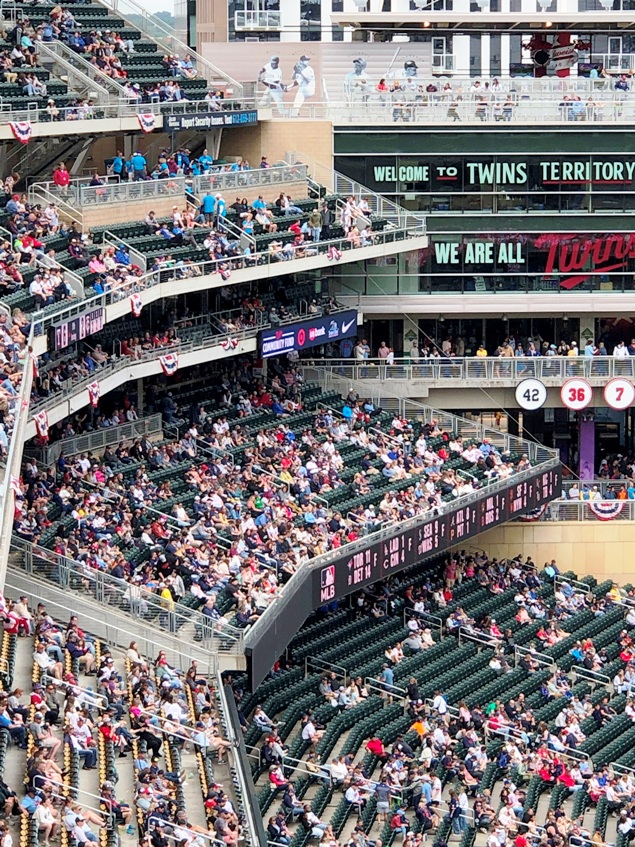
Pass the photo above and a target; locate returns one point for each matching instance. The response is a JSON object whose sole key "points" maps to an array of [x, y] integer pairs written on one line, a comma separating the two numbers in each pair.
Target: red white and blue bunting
{"points": [[606, 510], [229, 344], [224, 271], [42, 425], [147, 121], [169, 363], [94, 393], [22, 131], [534, 515], [136, 304]]}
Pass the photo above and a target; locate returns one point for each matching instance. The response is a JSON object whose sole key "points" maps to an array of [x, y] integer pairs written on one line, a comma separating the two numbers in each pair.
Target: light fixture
{"points": [[441, 319], [548, 24], [565, 318], [505, 319], [426, 24]]}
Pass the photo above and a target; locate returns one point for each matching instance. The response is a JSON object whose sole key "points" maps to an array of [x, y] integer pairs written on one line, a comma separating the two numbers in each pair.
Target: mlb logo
{"points": [[327, 584], [328, 576]]}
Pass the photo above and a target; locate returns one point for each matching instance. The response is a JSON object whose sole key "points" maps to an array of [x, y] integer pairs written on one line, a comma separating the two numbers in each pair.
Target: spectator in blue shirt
{"points": [[139, 166], [205, 160], [208, 207], [31, 801], [122, 257], [259, 205], [387, 676], [221, 206]]}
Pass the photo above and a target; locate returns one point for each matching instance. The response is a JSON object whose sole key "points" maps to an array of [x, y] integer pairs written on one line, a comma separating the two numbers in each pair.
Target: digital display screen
{"points": [[78, 328], [384, 558], [302, 335]]}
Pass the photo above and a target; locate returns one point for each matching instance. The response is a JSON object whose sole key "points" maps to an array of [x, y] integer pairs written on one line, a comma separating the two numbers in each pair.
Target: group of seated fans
{"points": [[484, 732], [14, 357], [102, 48], [249, 491], [41, 245], [88, 708]]}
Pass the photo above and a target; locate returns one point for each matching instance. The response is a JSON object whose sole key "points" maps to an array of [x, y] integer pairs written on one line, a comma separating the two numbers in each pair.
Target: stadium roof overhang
{"points": [[466, 22]]}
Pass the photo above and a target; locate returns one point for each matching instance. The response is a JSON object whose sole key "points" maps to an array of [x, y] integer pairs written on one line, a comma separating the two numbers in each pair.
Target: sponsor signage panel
{"points": [[302, 335]]}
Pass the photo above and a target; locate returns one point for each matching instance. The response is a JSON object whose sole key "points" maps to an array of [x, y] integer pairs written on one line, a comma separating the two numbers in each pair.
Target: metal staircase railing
{"points": [[380, 206], [113, 89], [51, 58], [140, 18]]}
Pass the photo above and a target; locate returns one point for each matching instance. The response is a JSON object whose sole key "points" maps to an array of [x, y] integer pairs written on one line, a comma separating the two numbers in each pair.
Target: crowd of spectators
{"points": [[14, 357], [259, 507], [28, 260], [132, 708], [512, 346], [433, 773]]}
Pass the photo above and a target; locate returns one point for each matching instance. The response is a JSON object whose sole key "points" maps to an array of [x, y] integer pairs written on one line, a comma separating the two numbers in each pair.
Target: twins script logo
{"points": [[604, 253]]}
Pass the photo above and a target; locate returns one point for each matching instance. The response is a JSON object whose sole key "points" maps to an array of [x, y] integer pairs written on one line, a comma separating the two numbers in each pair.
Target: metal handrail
{"points": [[478, 637], [90, 694], [193, 832], [157, 31], [78, 80], [111, 240], [14, 460], [540, 658], [107, 84], [433, 620], [291, 764], [491, 370], [321, 666], [223, 178], [371, 683], [106, 586], [594, 677], [559, 580]]}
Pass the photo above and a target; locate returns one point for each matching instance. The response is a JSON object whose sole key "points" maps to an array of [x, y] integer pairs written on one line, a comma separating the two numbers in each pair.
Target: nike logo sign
{"points": [[347, 326]]}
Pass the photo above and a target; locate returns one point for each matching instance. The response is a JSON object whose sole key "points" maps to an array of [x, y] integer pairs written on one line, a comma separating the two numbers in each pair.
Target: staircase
{"points": [[156, 30]]}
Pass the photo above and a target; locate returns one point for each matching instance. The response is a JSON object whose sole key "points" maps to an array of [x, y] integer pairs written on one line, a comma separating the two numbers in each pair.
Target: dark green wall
{"points": [[403, 139]]}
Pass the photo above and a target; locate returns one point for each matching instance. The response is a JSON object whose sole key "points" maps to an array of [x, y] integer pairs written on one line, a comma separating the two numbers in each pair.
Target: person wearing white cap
{"points": [[304, 80], [271, 77]]}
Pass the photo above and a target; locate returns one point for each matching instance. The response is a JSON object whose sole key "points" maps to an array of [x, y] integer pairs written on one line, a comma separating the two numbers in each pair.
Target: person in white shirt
{"points": [[271, 77], [310, 733], [304, 79], [46, 663], [439, 704], [339, 772], [620, 351], [46, 818], [81, 832], [354, 797]]}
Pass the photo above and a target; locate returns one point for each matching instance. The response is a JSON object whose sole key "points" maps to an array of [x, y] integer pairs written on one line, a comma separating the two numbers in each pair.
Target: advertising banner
{"points": [[304, 334], [427, 172], [77, 328], [209, 120], [568, 258]]}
